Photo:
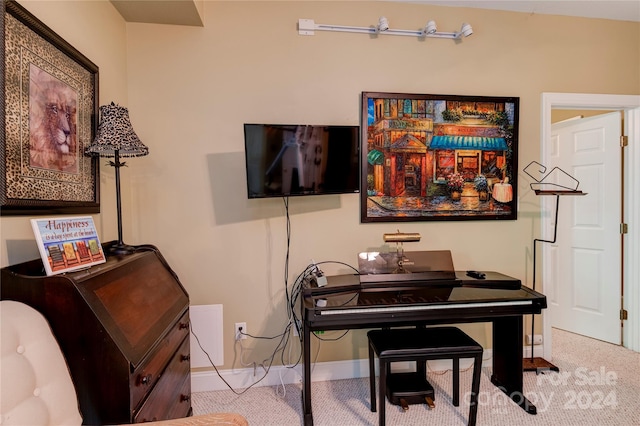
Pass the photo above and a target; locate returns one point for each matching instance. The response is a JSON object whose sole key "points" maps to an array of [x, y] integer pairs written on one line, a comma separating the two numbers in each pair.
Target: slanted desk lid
{"points": [[136, 302]]}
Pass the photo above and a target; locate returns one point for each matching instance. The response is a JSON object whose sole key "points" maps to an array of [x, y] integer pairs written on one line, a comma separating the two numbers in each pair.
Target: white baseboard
{"points": [[204, 381]]}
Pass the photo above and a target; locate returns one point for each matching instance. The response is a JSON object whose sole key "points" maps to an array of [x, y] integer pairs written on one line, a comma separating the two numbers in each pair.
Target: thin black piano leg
{"points": [[306, 375], [382, 392], [507, 360], [372, 378]]}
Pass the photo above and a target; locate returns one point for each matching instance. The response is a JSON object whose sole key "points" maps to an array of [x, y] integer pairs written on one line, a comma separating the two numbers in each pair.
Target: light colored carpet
{"points": [[598, 384]]}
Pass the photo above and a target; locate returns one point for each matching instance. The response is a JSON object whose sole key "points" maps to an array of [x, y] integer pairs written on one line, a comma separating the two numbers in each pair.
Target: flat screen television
{"points": [[290, 160]]}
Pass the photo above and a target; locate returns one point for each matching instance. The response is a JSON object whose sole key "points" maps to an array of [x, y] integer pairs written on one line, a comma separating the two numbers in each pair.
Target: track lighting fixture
{"points": [[308, 27]]}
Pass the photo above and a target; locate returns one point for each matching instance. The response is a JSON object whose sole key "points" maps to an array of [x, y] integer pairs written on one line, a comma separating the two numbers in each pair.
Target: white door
{"points": [[583, 269]]}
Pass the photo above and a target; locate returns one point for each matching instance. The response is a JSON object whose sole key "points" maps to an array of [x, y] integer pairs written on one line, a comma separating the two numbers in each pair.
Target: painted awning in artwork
{"points": [[375, 157], [469, 142]]}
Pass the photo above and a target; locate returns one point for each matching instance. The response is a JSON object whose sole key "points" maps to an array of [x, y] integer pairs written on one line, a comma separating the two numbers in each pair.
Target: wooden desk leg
{"points": [[507, 360], [306, 375]]}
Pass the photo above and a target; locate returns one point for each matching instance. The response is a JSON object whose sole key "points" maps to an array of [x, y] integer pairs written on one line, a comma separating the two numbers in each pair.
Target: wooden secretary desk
{"points": [[123, 327]]}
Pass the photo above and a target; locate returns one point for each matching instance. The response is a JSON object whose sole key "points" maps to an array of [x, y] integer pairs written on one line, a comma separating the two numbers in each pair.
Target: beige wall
{"points": [[190, 89]]}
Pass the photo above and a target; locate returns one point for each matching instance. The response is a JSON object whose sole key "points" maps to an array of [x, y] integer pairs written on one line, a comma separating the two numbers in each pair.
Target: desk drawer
{"points": [[147, 374], [182, 404], [171, 397]]}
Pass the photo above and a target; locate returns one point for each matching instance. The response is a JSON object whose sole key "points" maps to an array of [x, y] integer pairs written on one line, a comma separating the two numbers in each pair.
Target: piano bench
{"points": [[420, 345]]}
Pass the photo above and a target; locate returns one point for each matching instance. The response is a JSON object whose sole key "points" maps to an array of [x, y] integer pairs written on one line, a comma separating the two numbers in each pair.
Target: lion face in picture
{"points": [[52, 123], [59, 123]]}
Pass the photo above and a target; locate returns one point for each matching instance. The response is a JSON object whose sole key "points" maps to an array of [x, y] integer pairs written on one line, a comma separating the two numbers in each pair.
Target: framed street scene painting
{"points": [[438, 157]]}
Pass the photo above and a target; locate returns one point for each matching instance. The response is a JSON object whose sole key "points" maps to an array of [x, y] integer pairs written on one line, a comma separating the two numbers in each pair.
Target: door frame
{"points": [[629, 104]]}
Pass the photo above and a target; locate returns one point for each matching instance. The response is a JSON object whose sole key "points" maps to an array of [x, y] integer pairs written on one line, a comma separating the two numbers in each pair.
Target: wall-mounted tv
{"points": [[290, 160]]}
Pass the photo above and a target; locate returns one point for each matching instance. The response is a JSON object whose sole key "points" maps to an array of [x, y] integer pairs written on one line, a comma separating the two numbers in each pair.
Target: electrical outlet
{"points": [[537, 339], [241, 327]]}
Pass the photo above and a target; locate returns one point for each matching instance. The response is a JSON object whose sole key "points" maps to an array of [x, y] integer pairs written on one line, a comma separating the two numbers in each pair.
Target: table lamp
{"points": [[116, 138]]}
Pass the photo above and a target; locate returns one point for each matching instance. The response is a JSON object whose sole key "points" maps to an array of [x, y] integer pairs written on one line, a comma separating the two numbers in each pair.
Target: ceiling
{"points": [[189, 12], [620, 10]]}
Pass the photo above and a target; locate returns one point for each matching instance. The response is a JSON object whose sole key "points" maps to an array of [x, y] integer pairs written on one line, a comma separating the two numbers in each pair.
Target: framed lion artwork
{"points": [[51, 103]]}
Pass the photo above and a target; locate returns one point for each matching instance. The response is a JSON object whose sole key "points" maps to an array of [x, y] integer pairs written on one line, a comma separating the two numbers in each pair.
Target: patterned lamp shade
{"points": [[115, 133], [116, 138]]}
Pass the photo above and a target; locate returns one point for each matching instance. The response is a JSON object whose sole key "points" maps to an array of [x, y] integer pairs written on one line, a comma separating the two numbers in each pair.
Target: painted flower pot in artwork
{"points": [[455, 182]]}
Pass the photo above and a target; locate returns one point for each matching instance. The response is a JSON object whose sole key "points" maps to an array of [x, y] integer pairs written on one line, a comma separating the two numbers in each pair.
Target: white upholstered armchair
{"points": [[36, 386]]}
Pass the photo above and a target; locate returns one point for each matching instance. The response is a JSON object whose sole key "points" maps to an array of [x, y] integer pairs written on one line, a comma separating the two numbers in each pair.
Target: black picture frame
{"points": [[50, 95], [429, 157]]}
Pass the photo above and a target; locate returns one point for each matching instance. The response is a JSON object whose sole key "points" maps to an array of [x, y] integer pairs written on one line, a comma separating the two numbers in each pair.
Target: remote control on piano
{"points": [[476, 274]]}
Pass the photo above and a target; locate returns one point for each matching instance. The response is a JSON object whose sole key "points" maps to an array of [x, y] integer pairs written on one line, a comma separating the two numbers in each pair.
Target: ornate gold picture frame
{"points": [[50, 99]]}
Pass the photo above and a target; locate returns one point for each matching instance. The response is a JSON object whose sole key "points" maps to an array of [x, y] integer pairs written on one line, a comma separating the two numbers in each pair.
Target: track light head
{"points": [[466, 30], [383, 24], [430, 28]]}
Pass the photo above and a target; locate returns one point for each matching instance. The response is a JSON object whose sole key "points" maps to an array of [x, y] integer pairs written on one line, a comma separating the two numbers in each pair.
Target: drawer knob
{"points": [[145, 380], [185, 357], [184, 398], [183, 325]]}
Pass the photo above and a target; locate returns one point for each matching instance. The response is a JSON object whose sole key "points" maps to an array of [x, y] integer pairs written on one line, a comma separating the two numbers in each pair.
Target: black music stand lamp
{"points": [[399, 238], [541, 187]]}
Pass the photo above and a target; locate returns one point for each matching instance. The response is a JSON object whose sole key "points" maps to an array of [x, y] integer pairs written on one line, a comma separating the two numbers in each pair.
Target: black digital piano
{"points": [[350, 302]]}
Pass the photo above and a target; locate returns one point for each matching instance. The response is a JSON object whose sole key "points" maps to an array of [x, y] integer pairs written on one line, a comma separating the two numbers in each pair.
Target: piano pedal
{"points": [[430, 403], [404, 405]]}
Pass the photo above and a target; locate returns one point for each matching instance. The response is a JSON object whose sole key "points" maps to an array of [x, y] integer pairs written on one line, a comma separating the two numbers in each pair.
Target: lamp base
{"points": [[538, 365], [121, 248]]}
